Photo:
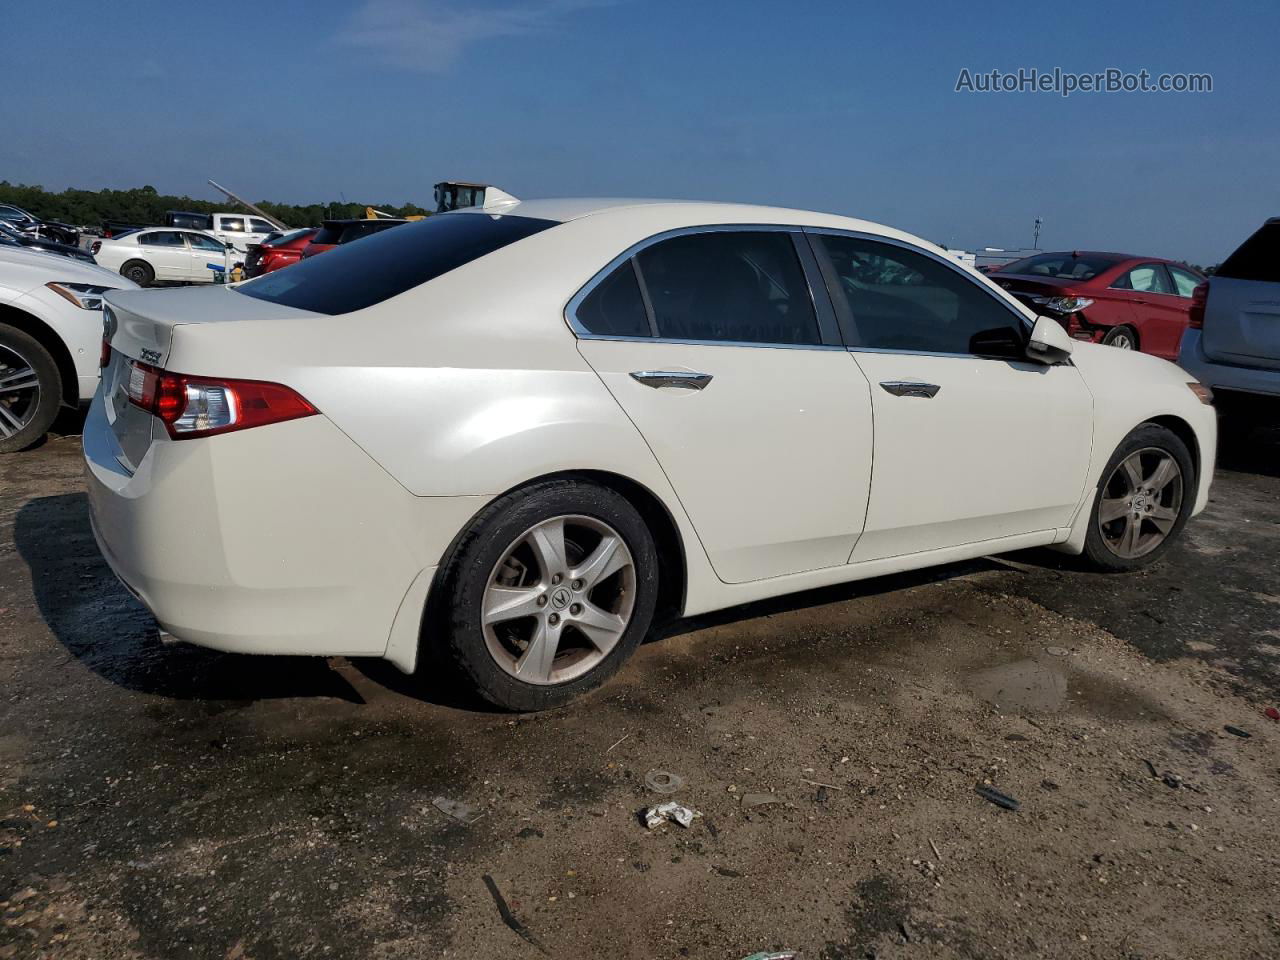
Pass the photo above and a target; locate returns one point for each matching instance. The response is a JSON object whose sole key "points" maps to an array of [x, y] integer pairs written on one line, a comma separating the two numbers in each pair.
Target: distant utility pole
{"points": [[1035, 244]]}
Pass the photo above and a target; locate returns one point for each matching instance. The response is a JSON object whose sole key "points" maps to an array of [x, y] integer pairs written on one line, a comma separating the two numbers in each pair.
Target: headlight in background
{"points": [[1065, 305], [86, 296]]}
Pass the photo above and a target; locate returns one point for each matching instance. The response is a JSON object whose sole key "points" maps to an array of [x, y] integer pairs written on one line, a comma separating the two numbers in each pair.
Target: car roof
{"points": [[681, 212]]}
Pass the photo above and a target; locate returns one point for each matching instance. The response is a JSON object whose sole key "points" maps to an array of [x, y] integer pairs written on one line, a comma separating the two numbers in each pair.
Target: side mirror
{"points": [[229, 246], [1049, 343]]}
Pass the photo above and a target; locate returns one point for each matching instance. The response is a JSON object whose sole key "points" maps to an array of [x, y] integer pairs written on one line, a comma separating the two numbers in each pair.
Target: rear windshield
{"points": [[365, 228], [1060, 266], [358, 275], [1258, 257]]}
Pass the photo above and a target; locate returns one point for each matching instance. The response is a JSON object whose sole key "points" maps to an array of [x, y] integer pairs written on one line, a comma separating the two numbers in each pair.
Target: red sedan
{"points": [[1134, 303], [280, 252]]}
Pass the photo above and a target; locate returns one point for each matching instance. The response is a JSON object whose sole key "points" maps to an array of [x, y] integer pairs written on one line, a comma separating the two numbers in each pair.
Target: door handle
{"points": [[685, 379], [911, 388]]}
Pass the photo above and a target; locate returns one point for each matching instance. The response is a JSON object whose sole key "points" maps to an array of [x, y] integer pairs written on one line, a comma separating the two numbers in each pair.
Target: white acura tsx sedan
{"points": [[516, 435]]}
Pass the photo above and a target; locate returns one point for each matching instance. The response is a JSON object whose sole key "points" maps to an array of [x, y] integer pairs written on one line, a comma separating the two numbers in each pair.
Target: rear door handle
{"points": [[685, 379], [911, 388]]}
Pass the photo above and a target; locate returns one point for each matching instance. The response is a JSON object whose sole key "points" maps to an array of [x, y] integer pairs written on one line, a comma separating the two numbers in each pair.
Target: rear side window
{"points": [[358, 275], [163, 238], [232, 224], [903, 300], [1258, 257], [1184, 281], [615, 308], [743, 286]]}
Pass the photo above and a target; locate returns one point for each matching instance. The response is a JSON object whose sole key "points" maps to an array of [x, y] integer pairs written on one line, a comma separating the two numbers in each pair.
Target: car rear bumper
{"points": [[1224, 376], [285, 539]]}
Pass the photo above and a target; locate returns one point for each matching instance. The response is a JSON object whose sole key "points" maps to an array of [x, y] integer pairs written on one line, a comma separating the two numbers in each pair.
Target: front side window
{"points": [[162, 238], [12, 213], [261, 226], [1147, 278], [903, 300], [1184, 282], [746, 286], [390, 262]]}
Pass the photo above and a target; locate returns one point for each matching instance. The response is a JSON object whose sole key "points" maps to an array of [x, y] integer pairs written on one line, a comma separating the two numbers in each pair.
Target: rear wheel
{"points": [[139, 271], [1144, 499], [30, 389], [1121, 337], [552, 588]]}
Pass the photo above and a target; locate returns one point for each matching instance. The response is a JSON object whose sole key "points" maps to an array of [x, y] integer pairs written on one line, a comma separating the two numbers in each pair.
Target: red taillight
{"points": [[104, 357], [95, 247], [192, 406], [1195, 313]]}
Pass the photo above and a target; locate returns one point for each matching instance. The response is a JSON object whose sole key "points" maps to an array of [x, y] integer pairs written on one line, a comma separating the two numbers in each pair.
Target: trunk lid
{"points": [[142, 325]]}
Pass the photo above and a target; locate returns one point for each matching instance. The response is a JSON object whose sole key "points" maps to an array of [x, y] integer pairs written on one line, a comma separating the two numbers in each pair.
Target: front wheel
{"points": [[552, 588], [30, 389], [1122, 338], [1147, 491]]}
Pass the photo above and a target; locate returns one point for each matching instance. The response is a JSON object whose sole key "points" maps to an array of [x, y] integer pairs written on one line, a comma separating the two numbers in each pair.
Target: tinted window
{"points": [[162, 238], [206, 243], [235, 224], [1184, 282], [12, 213], [1257, 259], [365, 228], [903, 300], [329, 233], [1064, 266], [391, 262], [726, 285], [261, 226], [614, 308], [1146, 278]]}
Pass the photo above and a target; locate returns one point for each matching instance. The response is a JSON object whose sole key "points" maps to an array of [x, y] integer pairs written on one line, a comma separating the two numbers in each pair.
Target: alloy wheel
{"points": [[1140, 504], [559, 600], [19, 392], [1122, 342]]}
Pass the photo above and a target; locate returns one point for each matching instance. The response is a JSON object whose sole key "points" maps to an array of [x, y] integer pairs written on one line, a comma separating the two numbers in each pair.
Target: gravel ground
{"points": [[165, 801]]}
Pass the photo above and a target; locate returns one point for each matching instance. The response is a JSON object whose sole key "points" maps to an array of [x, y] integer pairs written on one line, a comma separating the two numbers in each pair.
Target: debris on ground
{"points": [[819, 783], [1151, 768], [821, 795], [759, 799], [784, 955], [936, 852], [462, 812], [1171, 780], [1237, 732], [663, 781], [1272, 712], [672, 811], [1057, 651], [509, 918], [993, 795]]}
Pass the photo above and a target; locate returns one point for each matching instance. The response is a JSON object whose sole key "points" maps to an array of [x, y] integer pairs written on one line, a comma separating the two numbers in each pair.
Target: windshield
{"points": [[357, 275], [1061, 266]]}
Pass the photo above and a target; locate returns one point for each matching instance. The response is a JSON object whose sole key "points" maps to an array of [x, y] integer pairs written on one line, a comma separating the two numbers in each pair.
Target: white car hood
{"points": [[22, 270]]}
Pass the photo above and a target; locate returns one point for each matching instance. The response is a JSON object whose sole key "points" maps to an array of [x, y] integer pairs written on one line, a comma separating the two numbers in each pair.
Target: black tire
{"points": [[35, 414], [465, 576], [1148, 435], [1123, 333], [139, 271]]}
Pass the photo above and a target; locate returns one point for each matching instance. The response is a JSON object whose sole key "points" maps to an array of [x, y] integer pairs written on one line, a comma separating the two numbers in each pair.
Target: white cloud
{"points": [[430, 35]]}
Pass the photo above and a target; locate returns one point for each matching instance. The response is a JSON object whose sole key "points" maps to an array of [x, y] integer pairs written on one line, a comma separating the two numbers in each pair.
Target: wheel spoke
{"points": [[1112, 509], [23, 378], [510, 603], [1165, 471], [1132, 468], [536, 662], [605, 560], [603, 629], [1129, 538], [547, 540], [9, 422]]}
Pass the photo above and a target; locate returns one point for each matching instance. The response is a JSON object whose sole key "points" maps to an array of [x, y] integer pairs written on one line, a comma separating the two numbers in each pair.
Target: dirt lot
{"points": [[164, 802]]}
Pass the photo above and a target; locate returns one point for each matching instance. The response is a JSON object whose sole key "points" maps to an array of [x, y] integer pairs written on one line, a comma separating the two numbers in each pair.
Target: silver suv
{"points": [[1233, 342]]}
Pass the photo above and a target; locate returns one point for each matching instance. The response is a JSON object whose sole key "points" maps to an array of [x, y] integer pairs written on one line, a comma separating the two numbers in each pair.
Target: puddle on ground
{"points": [[1047, 684]]}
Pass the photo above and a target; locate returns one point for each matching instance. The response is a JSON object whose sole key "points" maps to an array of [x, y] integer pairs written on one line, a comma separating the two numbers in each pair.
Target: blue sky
{"points": [[841, 106]]}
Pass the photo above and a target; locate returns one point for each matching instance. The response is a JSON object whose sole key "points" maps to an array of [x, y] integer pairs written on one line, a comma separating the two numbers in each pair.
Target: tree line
{"points": [[147, 205]]}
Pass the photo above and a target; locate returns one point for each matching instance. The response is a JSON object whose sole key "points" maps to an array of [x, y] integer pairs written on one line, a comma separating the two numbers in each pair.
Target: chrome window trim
{"points": [[582, 333], [1002, 297]]}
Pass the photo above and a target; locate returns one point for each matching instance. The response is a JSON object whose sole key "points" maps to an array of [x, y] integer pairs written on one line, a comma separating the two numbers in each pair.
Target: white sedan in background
{"points": [[50, 339], [530, 428], [165, 255]]}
